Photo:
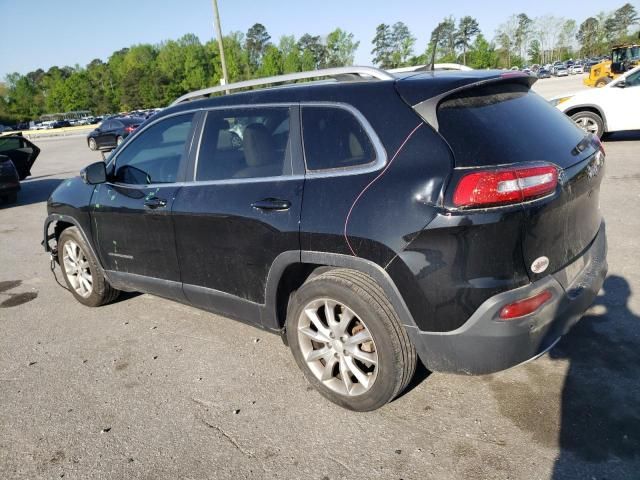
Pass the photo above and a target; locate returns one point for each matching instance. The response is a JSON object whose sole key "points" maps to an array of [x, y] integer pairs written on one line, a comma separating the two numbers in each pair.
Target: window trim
{"points": [[195, 128], [377, 163]]}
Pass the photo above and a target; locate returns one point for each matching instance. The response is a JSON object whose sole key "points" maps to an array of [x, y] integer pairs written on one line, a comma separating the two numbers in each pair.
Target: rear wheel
{"points": [[81, 271], [590, 122], [348, 341], [119, 140], [92, 144]]}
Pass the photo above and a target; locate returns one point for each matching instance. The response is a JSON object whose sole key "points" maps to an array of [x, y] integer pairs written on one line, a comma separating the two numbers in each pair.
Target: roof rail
{"points": [[337, 72]]}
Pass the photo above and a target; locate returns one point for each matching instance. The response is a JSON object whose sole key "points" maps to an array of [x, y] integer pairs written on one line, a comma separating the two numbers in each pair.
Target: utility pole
{"points": [[216, 21]]}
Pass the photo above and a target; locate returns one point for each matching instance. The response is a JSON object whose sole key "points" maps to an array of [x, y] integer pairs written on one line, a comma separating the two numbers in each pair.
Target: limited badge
{"points": [[540, 264]]}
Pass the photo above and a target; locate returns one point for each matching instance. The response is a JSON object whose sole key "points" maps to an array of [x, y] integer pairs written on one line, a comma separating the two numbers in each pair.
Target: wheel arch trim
{"points": [[336, 260]]}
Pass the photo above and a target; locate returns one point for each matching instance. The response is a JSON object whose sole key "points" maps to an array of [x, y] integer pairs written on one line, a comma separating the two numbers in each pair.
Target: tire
{"points": [[383, 339], [601, 82], [94, 290], [119, 140], [92, 144], [590, 122]]}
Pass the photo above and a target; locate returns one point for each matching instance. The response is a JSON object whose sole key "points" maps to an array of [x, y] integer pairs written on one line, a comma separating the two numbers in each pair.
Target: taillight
{"points": [[130, 128], [505, 186], [526, 306]]}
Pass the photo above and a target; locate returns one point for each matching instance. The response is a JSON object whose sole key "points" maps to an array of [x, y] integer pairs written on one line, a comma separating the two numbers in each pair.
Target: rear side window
{"points": [[505, 123], [334, 138], [244, 143], [154, 156]]}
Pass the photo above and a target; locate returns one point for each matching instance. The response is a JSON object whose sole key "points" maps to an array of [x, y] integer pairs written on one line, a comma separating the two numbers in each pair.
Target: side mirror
{"points": [[621, 84], [94, 174]]}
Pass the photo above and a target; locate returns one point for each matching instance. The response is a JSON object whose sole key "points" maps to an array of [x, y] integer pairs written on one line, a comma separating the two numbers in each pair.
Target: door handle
{"points": [[155, 202], [271, 204]]}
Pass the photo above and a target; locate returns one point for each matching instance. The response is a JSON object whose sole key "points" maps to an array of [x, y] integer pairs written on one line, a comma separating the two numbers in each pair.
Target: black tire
{"points": [[102, 292], [601, 82], [93, 145], [591, 117], [395, 353]]}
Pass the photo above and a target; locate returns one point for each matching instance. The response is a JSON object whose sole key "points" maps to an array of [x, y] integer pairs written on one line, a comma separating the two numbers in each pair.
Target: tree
{"points": [[534, 52], [587, 36], [340, 48], [383, 46], [445, 33], [401, 44], [624, 17], [290, 54], [523, 33], [314, 52], [256, 43], [467, 28], [482, 54], [506, 37]]}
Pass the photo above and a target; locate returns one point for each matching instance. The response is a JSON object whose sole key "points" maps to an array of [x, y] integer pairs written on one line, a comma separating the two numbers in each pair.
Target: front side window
{"points": [[154, 156], [334, 138], [244, 143], [10, 143]]}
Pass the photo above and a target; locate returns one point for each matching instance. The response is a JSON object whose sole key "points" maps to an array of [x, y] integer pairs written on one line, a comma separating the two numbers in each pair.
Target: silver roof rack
{"points": [[338, 73]]}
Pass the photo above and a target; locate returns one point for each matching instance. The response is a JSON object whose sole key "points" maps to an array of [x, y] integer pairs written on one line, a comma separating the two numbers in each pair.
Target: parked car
{"points": [[17, 156], [576, 69], [608, 109], [61, 124], [474, 258], [561, 71], [544, 73], [112, 132]]}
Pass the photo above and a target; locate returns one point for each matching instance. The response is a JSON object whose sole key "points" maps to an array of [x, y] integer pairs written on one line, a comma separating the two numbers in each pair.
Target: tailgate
{"points": [[563, 228], [504, 123]]}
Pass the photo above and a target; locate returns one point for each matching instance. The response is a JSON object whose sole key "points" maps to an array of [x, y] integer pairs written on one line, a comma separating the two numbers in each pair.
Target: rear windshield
{"points": [[506, 123]]}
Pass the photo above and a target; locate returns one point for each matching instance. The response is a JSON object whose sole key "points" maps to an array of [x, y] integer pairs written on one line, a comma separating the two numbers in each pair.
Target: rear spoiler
{"points": [[428, 108]]}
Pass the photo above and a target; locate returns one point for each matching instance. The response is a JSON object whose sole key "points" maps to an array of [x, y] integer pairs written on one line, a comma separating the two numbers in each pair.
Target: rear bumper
{"points": [[485, 344]]}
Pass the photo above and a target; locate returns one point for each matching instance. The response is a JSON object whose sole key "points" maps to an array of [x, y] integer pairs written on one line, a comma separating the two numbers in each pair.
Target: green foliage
{"points": [[144, 76]]}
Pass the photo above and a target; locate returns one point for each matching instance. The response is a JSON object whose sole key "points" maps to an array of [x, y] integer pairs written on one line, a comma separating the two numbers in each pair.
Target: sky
{"points": [[43, 33]]}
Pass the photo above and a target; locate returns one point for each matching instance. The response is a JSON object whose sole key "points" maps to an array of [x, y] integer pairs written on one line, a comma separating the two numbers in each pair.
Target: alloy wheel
{"points": [[587, 124], [337, 347], [76, 267]]}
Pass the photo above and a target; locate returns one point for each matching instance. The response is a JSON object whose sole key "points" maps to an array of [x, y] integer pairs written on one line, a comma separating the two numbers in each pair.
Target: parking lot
{"points": [[147, 388]]}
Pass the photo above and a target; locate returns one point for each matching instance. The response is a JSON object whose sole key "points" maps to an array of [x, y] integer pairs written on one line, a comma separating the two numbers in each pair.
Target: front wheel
{"points": [[92, 144], [601, 82], [348, 341], [81, 271], [589, 122]]}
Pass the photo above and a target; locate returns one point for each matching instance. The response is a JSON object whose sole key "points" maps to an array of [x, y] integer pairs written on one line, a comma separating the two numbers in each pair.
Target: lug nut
{"points": [[332, 335]]}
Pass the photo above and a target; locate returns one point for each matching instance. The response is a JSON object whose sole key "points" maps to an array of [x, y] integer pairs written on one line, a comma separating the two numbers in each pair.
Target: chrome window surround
{"points": [[379, 162]]}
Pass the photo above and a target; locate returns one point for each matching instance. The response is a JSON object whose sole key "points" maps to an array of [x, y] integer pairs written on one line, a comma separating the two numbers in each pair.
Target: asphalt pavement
{"points": [[150, 389]]}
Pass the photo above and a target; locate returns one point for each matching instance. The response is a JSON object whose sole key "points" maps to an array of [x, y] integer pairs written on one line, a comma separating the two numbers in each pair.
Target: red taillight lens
{"points": [[500, 187], [130, 128], [526, 306]]}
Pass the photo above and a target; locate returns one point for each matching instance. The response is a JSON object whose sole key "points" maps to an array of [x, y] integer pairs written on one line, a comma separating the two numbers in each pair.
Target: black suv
{"points": [[371, 221]]}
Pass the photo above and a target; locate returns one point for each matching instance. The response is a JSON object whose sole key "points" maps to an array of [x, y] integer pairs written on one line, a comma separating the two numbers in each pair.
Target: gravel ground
{"points": [[150, 389]]}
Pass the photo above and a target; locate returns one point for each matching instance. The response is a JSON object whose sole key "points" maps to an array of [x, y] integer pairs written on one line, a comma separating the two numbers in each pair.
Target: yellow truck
{"points": [[623, 58]]}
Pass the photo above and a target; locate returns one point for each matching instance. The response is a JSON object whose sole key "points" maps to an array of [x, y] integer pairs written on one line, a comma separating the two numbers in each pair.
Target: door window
{"points": [[154, 156], [244, 143], [334, 138]]}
